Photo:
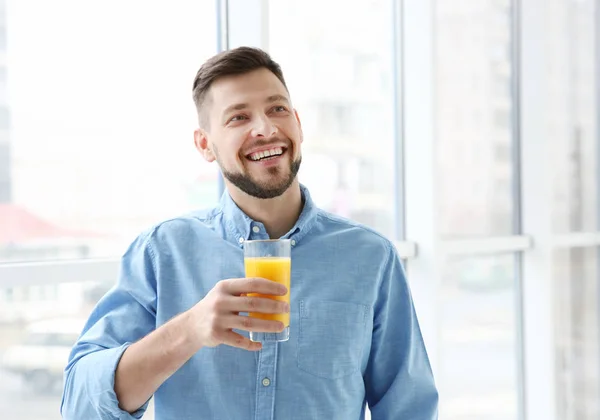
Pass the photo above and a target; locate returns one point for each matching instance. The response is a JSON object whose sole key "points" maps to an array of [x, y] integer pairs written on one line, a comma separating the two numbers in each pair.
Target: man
{"points": [[172, 327]]}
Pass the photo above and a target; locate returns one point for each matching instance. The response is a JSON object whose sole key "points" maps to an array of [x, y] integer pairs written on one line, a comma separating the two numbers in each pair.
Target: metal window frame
{"points": [[398, 104], [222, 8], [54, 272], [417, 76], [538, 329], [485, 246], [106, 269], [597, 104], [517, 198]]}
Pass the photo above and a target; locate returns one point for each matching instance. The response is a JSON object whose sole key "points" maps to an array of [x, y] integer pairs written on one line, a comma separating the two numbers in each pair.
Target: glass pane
{"points": [[570, 86], [577, 321], [474, 108], [478, 370], [96, 123], [37, 332], [340, 80]]}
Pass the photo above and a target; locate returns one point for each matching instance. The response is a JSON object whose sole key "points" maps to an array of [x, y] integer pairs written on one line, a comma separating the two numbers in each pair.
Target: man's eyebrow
{"points": [[235, 107], [273, 98], [277, 97]]}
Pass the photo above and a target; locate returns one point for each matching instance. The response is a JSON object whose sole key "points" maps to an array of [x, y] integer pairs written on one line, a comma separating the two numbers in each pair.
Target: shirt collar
{"points": [[239, 225]]}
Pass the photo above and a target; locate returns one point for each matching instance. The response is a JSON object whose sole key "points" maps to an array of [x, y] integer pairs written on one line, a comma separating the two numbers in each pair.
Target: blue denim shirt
{"points": [[354, 335]]}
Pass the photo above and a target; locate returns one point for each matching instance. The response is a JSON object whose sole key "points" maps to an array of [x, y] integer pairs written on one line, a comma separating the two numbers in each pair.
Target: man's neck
{"points": [[278, 214]]}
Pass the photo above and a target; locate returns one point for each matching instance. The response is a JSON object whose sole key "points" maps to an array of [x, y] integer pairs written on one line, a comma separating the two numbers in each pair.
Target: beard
{"points": [[244, 182]]}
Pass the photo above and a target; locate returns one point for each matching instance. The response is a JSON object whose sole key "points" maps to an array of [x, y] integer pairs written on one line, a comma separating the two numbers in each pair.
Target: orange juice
{"points": [[271, 268]]}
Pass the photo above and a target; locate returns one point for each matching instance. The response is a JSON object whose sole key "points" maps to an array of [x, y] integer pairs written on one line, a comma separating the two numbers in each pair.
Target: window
{"points": [[99, 148], [4, 116], [478, 339], [502, 87], [572, 120], [502, 120], [502, 152], [344, 99], [101, 139], [467, 144], [577, 320], [105, 150], [5, 171]]}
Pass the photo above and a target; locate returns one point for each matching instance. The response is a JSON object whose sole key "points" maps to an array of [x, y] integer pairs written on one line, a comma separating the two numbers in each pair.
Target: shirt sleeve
{"points": [[399, 381], [124, 315]]}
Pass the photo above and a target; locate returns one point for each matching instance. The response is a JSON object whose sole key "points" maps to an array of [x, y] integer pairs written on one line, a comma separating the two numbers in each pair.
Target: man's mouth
{"points": [[264, 155]]}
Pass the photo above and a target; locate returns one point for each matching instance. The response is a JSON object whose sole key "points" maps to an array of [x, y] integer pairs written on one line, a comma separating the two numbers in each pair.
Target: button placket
{"points": [[265, 393]]}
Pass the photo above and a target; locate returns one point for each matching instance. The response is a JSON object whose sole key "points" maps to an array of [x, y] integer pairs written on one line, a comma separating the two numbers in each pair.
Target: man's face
{"points": [[253, 133]]}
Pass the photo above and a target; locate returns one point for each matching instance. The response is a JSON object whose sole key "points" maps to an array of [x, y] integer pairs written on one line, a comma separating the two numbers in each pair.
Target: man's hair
{"points": [[228, 63]]}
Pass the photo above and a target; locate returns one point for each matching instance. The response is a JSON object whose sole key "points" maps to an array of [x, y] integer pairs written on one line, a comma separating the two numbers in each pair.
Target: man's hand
{"points": [[217, 314]]}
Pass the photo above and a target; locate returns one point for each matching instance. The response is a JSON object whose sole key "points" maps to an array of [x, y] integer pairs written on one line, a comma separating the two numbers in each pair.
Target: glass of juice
{"points": [[272, 260]]}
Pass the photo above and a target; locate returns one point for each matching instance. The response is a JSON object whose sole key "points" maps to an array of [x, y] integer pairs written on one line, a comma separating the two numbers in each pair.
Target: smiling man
{"points": [[172, 327]]}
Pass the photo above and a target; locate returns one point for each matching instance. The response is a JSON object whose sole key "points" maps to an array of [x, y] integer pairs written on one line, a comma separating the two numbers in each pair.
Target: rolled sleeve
{"points": [[124, 315], [399, 381], [96, 374]]}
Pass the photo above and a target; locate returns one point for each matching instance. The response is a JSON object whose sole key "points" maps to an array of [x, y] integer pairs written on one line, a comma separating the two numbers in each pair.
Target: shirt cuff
{"points": [[101, 387]]}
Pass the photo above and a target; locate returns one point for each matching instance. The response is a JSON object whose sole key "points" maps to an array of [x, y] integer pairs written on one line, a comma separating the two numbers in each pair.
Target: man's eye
{"points": [[279, 108], [238, 118]]}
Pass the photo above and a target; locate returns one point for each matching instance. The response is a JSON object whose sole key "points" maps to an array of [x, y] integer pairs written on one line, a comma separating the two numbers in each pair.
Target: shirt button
{"points": [[266, 382], [293, 242], [241, 240], [255, 229]]}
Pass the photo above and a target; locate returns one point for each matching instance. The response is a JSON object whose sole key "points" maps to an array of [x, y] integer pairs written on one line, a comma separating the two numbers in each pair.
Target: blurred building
{"points": [[349, 136], [474, 105]]}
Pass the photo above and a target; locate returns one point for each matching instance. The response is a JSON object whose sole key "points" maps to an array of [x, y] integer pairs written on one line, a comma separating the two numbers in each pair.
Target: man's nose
{"points": [[263, 127]]}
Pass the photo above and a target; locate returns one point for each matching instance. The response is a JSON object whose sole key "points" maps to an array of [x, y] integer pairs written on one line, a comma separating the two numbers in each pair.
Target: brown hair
{"points": [[227, 63]]}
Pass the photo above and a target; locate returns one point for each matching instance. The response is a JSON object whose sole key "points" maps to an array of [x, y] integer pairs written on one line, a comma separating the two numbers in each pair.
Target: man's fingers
{"points": [[247, 323], [235, 340], [253, 304], [242, 286], [231, 297]]}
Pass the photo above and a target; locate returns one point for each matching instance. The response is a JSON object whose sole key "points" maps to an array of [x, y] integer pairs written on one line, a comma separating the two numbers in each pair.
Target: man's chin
{"points": [[265, 194], [268, 191], [264, 186]]}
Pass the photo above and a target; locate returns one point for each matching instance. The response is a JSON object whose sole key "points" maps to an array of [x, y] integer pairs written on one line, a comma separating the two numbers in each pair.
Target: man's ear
{"points": [[299, 125], [201, 143]]}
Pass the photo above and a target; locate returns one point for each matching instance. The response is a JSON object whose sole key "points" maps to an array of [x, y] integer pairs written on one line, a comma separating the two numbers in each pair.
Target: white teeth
{"points": [[276, 151]]}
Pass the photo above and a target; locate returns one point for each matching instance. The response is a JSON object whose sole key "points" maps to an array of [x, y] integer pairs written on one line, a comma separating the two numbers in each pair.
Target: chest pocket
{"points": [[331, 338]]}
